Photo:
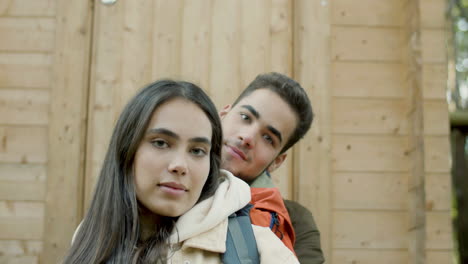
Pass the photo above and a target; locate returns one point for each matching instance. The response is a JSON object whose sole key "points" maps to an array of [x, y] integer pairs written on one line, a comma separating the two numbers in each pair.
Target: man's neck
{"points": [[262, 181]]}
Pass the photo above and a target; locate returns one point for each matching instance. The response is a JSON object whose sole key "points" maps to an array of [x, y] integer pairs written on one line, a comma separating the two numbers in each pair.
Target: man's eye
{"points": [[268, 139], [159, 143], [199, 152]]}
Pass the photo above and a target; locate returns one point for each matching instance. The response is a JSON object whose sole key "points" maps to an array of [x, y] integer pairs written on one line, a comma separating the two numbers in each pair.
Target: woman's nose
{"points": [[178, 165]]}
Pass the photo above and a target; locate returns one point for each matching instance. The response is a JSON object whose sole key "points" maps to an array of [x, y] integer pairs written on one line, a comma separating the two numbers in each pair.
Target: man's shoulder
{"points": [[307, 246], [295, 207], [299, 213]]}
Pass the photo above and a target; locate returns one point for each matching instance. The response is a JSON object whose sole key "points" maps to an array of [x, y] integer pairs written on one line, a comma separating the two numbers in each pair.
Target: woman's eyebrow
{"points": [[163, 131], [169, 133], [201, 140]]}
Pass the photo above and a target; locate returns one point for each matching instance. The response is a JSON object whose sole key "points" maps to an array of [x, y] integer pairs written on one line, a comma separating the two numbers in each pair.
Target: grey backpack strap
{"points": [[241, 246]]}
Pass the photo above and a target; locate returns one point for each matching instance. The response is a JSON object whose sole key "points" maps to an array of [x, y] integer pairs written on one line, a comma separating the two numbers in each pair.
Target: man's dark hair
{"points": [[292, 93]]}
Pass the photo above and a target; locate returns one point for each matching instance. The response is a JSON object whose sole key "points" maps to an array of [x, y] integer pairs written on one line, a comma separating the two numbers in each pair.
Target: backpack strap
{"points": [[241, 247]]}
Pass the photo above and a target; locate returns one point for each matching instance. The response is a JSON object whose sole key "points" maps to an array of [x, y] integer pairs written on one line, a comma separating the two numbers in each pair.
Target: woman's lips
{"points": [[173, 188]]}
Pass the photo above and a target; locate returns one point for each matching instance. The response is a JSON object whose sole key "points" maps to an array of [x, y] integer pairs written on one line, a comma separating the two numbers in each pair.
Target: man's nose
{"points": [[247, 138]]}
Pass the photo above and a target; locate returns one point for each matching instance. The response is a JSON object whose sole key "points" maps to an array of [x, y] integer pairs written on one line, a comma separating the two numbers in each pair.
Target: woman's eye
{"points": [[245, 117], [159, 143], [199, 152]]}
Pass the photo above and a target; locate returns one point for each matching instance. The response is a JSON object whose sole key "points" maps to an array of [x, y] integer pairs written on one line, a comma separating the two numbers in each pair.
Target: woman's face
{"points": [[172, 161]]}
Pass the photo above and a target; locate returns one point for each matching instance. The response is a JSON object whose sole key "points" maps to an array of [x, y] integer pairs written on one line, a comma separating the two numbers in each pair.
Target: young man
{"points": [[268, 118]]}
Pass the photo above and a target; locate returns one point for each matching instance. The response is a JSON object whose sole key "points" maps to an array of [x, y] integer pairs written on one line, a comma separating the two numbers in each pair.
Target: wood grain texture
{"points": [[368, 229], [354, 153], [369, 116], [373, 79], [27, 8], [312, 161], [384, 13], [17, 145], [27, 34], [370, 191], [15, 66], [370, 256], [24, 107], [67, 127], [366, 44], [432, 15]]}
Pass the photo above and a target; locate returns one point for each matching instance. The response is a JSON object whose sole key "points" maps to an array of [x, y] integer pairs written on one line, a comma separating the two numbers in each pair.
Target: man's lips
{"points": [[237, 152], [173, 185]]}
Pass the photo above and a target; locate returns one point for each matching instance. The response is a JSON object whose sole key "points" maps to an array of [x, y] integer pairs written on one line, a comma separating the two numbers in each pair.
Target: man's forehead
{"points": [[261, 98]]}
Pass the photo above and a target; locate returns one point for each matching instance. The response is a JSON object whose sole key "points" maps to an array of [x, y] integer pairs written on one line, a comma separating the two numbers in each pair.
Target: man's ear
{"points": [[277, 162], [225, 110]]}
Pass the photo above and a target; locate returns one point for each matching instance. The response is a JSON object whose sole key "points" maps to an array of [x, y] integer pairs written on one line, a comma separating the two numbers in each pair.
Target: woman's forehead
{"points": [[183, 117]]}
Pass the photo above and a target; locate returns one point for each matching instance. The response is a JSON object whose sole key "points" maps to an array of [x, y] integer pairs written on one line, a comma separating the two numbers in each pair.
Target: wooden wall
{"points": [[26, 57], [390, 133], [374, 169]]}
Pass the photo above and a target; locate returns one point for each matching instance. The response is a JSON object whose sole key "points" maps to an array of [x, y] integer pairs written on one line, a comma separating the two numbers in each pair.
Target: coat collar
{"points": [[213, 240]]}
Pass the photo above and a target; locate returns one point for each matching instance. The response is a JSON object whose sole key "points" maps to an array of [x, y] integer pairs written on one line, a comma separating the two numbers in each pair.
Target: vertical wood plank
{"points": [[105, 84], [195, 46], [280, 58], [67, 126], [432, 13], [412, 71], [312, 181], [167, 38], [281, 39], [255, 40], [225, 82], [136, 50]]}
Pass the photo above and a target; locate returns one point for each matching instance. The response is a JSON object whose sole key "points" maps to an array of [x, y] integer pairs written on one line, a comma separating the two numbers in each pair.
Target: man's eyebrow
{"points": [[251, 110], [163, 131], [276, 133]]}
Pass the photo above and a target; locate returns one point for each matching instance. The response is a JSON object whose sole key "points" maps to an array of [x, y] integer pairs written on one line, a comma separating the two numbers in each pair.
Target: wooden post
{"points": [[312, 170], [67, 135], [412, 60], [281, 52]]}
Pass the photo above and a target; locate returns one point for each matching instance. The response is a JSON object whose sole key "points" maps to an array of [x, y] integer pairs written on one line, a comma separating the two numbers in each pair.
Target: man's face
{"points": [[254, 132]]}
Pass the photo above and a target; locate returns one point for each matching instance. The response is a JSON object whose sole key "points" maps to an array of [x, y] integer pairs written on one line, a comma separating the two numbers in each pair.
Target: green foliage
{"points": [[458, 52]]}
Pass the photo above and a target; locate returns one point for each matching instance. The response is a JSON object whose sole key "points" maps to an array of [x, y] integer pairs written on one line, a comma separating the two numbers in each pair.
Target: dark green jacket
{"points": [[307, 245]]}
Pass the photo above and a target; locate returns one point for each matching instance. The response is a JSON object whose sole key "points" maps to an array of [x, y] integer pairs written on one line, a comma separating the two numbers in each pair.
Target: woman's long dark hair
{"points": [[110, 231]]}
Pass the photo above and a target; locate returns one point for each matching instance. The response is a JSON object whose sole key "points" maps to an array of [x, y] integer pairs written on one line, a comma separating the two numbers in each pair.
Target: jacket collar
{"points": [[214, 240], [231, 195], [262, 181]]}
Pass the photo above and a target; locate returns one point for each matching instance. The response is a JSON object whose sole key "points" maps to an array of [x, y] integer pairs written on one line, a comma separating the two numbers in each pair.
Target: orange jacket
{"points": [[269, 211]]}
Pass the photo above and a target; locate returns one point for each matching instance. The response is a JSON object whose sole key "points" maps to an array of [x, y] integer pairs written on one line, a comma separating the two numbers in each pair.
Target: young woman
{"points": [[161, 197]]}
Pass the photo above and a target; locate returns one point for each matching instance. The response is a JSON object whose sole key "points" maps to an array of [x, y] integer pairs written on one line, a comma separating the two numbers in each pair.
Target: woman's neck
{"points": [[149, 222]]}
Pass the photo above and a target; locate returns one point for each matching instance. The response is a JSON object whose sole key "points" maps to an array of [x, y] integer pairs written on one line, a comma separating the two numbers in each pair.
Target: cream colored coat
{"points": [[202, 230]]}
